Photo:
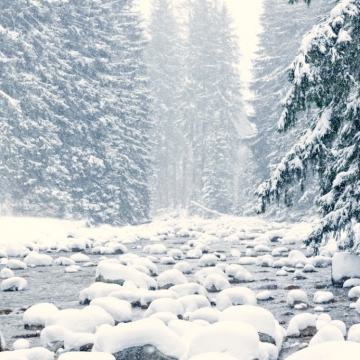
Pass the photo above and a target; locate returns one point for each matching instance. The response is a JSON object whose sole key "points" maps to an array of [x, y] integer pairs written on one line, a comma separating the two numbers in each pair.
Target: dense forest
{"points": [[108, 118]]}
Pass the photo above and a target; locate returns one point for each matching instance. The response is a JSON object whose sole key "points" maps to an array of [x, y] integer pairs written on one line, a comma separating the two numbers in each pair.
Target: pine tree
{"points": [[212, 105], [165, 69], [325, 74], [276, 52]]}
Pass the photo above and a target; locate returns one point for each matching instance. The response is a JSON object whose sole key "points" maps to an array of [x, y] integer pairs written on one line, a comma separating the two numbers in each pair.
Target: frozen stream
{"points": [[52, 284]]}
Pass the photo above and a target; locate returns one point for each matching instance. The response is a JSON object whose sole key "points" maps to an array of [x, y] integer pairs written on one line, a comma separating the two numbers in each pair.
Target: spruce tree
{"points": [[325, 74]]}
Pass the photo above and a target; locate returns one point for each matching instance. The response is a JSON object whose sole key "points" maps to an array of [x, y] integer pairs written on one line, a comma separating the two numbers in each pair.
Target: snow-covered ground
{"points": [[177, 288]]}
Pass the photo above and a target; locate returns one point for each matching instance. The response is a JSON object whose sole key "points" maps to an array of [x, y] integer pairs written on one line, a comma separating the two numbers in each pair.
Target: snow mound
{"points": [[235, 296], [139, 333], [191, 303], [210, 315], [344, 266], [261, 319], [75, 355], [74, 341], [233, 338], [201, 275], [155, 249], [169, 305], [354, 333], [354, 293], [189, 289], [184, 267], [296, 296], [36, 259], [37, 314], [21, 344], [351, 283], [120, 310], [14, 284], [208, 260], [99, 315], [172, 277], [73, 320], [149, 296], [323, 297], [14, 264], [301, 322], [79, 258], [36, 353], [6, 273], [118, 274], [333, 350], [64, 261], [326, 334], [96, 290], [215, 283], [238, 273]]}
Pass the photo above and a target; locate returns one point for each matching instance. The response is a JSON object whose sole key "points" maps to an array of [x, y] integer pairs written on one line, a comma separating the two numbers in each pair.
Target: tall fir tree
{"points": [[325, 74], [276, 52], [164, 56], [212, 104]]}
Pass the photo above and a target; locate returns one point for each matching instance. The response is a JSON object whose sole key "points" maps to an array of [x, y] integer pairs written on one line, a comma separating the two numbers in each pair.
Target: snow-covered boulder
{"points": [[155, 249], [14, 284], [149, 296], [120, 310], [238, 274], [80, 258], [15, 249], [117, 274], [201, 275], [170, 305], [344, 266], [237, 339], [189, 289], [302, 325], [261, 319], [96, 290], [64, 261], [326, 334], [215, 283], [354, 333], [351, 283], [191, 303], [78, 341], [36, 353], [184, 267], [323, 297], [75, 355], [322, 320], [333, 350], [247, 260], [36, 259], [14, 264], [72, 319], [210, 315], [35, 317], [208, 260], [6, 273], [169, 278], [296, 296], [235, 296], [21, 344], [147, 336], [99, 315], [354, 293]]}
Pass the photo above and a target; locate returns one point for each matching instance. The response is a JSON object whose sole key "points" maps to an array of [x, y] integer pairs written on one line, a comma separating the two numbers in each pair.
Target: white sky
{"points": [[246, 20]]}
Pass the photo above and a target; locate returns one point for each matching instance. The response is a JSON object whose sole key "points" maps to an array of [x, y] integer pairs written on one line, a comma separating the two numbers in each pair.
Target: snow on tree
{"points": [[212, 104], [325, 74], [164, 58], [275, 54]]}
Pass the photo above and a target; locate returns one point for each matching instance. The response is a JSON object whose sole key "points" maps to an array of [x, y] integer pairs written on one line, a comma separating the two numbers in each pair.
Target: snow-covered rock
{"points": [[351, 283], [151, 333], [15, 264], [36, 353], [296, 296], [189, 289], [184, 267], [302, 324], [75, 355], [326, 334], [169, 278], [261, 319], [354, 333], [116, 273], [333, 350], [120, 310], [208, 260], [215, 283], [6, 273], [323, 297], [344, 266], [235, 296], [64, 261], [237, 339], [96, 290], [14, 284], [99, 315], [354, 293], [36, 259], [165, 304], [191, 303], [80, 258], [35, 317], [72, 319], [238, 274], [210, 315], [21, 344]]}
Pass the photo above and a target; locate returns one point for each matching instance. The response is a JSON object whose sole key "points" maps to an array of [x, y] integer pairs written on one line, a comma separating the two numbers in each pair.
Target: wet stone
{"points": [[86, 347], [268, 287], [146, 352], [5, 312], [292, 287]]}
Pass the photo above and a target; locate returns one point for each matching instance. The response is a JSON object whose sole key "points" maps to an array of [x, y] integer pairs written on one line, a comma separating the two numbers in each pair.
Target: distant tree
{"points": [[164, 57], [325, 74]]}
